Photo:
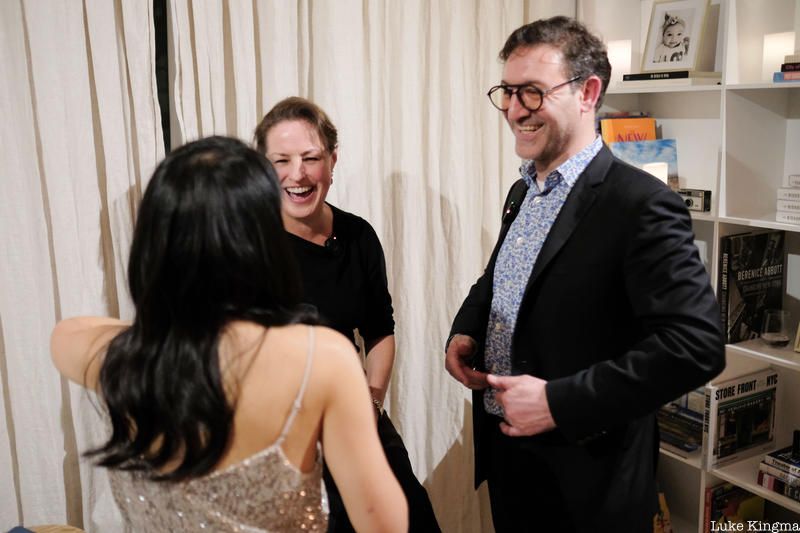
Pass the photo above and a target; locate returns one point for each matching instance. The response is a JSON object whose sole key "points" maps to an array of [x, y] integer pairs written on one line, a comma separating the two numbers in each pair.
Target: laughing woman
{"points": [[343, 271]]}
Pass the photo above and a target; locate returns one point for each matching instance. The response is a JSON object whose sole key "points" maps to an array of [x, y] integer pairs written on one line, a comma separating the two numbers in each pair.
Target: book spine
{"points": [[707, 511], [787, 217], [785, 76], [790, 67], [789, 193], [791, 58], [788, 205], [709, 423], [782, 465], [783, 475], [722, 288], [672, 75], [793, 180]]}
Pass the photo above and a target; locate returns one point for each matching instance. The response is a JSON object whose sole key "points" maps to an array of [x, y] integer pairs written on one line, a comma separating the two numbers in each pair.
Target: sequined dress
{"points": [[263, 493]]}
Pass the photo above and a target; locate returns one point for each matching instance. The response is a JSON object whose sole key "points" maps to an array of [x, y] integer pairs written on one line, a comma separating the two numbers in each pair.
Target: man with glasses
{"points": [[594, 310]]}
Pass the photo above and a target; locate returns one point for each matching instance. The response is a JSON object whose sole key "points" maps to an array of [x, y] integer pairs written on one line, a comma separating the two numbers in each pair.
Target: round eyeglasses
{"points": [[530, 96]]}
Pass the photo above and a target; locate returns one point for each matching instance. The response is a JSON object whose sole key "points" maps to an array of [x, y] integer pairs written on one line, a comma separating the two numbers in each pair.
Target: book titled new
{"points": [[779, 77], [616, 130], [739, 417]]}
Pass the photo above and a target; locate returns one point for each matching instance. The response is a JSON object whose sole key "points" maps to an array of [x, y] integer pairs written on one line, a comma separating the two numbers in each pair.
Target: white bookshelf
{"points": [[738, 139]]}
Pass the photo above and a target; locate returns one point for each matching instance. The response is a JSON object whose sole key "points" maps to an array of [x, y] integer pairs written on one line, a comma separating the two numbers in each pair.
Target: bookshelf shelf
{"points": [[621, 89], [744, 473], [782, 357], [759, 223]]}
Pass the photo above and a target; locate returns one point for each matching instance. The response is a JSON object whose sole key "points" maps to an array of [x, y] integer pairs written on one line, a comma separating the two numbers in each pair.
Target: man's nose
{"points": [[516, 110]]}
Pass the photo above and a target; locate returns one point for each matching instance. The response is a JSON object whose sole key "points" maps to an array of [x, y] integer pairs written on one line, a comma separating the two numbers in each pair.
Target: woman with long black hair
{"points": [[220, 391]]}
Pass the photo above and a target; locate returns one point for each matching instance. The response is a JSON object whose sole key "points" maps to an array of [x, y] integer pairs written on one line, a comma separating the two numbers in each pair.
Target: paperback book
{"points": [[615, 130], [779, 77], [785, 460], [779, 486], [750, 280], [740, 417], [779, 473]]}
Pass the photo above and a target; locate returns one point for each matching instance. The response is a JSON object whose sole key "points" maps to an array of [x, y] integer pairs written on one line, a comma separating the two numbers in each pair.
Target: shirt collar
{"points": [[570, 170]]}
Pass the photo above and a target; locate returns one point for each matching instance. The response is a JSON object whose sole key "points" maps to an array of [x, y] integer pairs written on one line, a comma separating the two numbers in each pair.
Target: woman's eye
{"points": [[279, 161], [311, 159]]}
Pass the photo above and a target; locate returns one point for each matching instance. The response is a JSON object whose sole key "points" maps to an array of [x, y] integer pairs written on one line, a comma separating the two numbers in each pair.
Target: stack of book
{"points": [[680, 423], [671, 77], [788, 206], [633, 139], [790, 69], [780, 470]]}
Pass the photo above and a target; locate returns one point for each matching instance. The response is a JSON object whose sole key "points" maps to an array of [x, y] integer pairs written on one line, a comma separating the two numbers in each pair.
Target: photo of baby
{"points": [[674, 40]]}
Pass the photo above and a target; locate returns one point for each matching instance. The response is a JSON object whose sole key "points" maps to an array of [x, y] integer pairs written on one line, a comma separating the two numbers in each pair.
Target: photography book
{"points": [[779, 473], [740, 417], [727, 503], [785, 460], [680, 429], [750, 280], [670, 75], [669, 81], [643, 154], [616, 130], [790, 67]]}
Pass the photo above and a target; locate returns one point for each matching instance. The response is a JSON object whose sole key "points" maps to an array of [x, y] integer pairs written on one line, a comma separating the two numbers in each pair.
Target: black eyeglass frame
{"points": [[513, 90]]}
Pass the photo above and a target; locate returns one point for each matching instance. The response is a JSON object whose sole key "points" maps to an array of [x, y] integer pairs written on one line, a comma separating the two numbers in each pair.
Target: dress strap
{"points": [[298, 401]]}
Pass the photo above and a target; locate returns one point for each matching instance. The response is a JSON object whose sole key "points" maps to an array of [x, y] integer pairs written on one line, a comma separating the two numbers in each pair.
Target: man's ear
{"points": [[590, 93]]}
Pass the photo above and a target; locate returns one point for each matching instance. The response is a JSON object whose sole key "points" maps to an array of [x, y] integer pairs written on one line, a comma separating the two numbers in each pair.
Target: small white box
{"points": [[788, 205], [789, 193], [787, 217], [793, 180]]}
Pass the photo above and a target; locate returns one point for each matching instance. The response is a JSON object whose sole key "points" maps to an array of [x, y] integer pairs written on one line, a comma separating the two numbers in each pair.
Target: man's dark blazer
{"points": [[619, 317]]}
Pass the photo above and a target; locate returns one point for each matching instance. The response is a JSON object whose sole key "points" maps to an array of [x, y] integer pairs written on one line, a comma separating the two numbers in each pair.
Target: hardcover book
{"points": [[616, 130], [641, 154], [670, 81], [777, 485], [670, 74], [790, 67], [750, 280], [779, 473], [740, 417], [681, 429], [785, 460], [785, 76]]}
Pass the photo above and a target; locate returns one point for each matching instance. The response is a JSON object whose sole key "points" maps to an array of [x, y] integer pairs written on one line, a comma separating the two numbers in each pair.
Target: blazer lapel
{"points": [[578, 202]]}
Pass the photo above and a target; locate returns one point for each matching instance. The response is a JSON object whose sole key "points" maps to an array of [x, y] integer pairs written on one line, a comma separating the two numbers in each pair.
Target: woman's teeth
{"points": [[299, 191]]}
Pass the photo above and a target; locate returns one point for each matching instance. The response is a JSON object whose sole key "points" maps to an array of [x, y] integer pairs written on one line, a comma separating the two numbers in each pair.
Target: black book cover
{"points": [[669, 75], [750, 281]]}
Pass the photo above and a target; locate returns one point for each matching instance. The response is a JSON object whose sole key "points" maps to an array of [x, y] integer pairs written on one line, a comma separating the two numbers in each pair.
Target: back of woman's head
{"points": [[208, 248]]}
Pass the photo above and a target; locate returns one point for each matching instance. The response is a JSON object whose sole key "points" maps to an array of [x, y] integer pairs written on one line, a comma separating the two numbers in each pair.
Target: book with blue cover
{"points": [[648, 154]]}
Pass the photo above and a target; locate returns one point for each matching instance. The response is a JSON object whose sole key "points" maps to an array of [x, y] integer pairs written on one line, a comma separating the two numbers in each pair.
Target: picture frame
{"points": [[674, 35]]}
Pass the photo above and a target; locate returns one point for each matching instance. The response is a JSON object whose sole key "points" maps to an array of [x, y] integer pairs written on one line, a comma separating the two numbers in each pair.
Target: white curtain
{"points": [[423, 156], [80, 134]]}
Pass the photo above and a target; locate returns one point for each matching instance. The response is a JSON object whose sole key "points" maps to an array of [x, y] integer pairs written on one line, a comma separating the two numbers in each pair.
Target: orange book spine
{"points": [[615, 130]]}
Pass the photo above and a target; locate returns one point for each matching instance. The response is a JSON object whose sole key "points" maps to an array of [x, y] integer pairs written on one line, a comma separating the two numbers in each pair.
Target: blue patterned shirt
{"points": [[518, 254]]}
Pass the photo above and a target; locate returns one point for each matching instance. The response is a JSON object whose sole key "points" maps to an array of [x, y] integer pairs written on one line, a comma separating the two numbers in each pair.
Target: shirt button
{"points": [[498, 326], [520, 240], [537, 200]]}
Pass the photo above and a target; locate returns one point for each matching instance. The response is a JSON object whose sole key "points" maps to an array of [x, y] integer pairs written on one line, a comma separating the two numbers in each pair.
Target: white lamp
{"points": [[619, 55], [776, 46]]}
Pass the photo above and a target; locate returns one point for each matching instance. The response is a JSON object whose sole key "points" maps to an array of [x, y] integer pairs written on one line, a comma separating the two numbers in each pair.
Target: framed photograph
{"points": [[674, 34]]}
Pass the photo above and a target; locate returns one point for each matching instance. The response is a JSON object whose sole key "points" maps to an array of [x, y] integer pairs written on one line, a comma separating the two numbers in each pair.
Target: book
{"points": [[789, 205], [785, 460], [787, 217], [750, 280], [779, 473], [641, 154], [789, 193], [628, 129], [739, 417], [777, 485], [670, 74], [790, 67], [793, 180], [730, 504], [670, 81], [779, 77], [791, 58], [680, 429]]}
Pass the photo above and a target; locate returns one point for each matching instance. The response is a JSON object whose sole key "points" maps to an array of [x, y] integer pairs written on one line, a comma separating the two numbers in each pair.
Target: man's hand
{"points": [[524, 402], [457, 362]]}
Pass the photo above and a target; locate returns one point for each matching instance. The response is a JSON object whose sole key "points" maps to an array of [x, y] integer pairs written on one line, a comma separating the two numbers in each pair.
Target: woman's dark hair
{"points": [[209, 247], [584, 53], [296, 108]]}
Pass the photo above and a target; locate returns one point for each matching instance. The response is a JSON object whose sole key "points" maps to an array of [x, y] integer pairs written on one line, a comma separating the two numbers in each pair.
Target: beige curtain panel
{"points": [[423, 156]]}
